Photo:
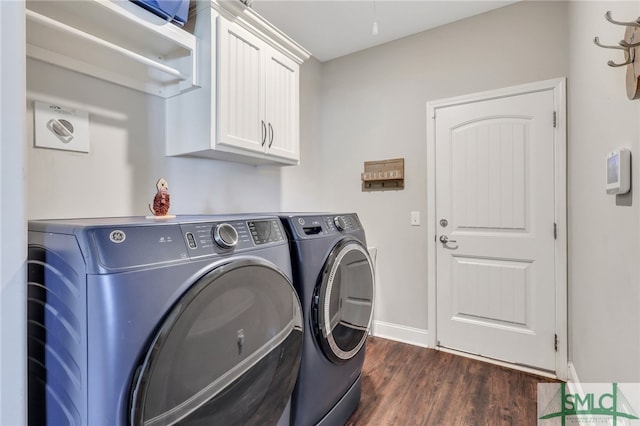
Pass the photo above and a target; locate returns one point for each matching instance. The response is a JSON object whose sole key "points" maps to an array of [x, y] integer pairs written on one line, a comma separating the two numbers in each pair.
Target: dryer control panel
{"points": [[321, 226], [342, 223], [223, 237]]}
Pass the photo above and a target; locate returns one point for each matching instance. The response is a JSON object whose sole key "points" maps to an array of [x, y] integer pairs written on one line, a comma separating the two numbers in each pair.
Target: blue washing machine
{"points": [[334, 277], [190, 321]]}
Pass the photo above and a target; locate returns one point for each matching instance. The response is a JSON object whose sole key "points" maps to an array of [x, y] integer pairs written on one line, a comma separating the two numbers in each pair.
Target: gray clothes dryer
{"points": [[190, 321], [334, 277]]}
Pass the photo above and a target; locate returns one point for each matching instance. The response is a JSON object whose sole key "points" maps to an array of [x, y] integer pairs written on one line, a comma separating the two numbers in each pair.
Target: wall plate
{"points": [[59, 127], [415, 218]]}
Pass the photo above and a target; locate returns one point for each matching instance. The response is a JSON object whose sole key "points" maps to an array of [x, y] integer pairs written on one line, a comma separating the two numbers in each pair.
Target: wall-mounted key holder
{"points": [[383, 175]]}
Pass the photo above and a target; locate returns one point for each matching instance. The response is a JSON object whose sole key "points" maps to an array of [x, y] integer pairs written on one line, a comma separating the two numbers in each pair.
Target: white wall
{"points": [[13, 319], [303, 187], [118, 176], [373, 107], [604, 232]]}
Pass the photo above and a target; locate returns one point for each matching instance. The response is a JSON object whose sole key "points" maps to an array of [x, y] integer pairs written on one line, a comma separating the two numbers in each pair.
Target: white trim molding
{"points": [[13, 224], [401, 333], [575, 387], [572, 379]]}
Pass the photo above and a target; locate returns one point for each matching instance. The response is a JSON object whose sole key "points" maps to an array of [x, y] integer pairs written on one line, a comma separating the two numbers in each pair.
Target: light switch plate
{"points": [[59, 127], [415, 218]]}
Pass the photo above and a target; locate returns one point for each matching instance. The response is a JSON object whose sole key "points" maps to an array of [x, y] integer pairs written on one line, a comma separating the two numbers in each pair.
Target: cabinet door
{"points": [[241, 81], [282, 106]]}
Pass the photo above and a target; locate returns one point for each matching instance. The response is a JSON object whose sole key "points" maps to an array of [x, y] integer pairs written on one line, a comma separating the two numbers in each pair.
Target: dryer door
{"points": [[228, 352], [343, 302]]}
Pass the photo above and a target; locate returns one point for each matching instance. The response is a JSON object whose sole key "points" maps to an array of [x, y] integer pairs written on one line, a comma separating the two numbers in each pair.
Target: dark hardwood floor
{"points": [[408, 385]]}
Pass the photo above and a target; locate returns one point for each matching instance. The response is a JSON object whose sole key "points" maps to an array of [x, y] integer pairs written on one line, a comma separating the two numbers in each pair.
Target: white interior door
{"points": [[494, 202]]}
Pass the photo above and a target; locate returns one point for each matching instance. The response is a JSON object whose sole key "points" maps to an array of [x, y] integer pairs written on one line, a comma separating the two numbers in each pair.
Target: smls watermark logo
{"points": [[589, 404]]}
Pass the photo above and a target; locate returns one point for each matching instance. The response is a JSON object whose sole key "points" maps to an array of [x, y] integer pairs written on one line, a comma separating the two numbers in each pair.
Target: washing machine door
{"points": [[228, 352], [343, 301]]}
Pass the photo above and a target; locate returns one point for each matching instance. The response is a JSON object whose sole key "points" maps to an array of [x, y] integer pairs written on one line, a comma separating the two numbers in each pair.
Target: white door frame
{"points": [[13, 222], [560, 169]]}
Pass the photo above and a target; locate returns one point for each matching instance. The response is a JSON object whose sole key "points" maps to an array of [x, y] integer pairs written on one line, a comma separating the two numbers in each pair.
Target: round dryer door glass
{"points": [[228, 353], [344, 300]]}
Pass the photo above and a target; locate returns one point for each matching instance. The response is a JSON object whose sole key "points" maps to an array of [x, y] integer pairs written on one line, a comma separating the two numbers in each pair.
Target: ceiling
{"points": [[333, 28]]}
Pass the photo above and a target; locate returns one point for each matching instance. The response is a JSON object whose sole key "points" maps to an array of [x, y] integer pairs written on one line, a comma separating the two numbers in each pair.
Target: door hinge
{"points": [[555, 119], [555, 342], [555, 231]]}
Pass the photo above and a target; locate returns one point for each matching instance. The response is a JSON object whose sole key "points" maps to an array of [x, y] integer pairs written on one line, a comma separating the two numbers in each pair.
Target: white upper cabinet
{"points": [[115, 41], [250, 91], [258, 108]]}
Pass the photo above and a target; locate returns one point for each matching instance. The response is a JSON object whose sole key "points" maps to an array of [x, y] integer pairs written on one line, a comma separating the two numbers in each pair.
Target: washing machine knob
{"points": [[340, 223], [225, 235]]}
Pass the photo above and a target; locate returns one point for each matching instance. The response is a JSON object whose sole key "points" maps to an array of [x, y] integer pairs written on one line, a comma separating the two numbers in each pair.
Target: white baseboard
{"points": [[573, 382], [575, 386], [401, 333]]}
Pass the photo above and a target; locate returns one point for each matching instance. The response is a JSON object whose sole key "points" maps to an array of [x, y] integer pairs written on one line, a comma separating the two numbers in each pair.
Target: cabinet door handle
{"points": [[270, 135], [264, 133]]}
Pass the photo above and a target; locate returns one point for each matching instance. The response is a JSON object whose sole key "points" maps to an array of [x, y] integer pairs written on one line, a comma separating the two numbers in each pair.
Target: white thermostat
{"points": [[619, 171]]}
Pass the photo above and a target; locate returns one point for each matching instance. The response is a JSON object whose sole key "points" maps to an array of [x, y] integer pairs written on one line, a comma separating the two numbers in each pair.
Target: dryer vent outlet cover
{"points": [[59, 127]]}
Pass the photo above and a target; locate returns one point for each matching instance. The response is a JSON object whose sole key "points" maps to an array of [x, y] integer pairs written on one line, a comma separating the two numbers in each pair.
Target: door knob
{"points": [[444, 239]]}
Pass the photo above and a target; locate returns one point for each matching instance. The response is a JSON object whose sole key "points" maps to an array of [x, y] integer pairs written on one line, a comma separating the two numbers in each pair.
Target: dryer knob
{"points": [[225, 235], [340, 223]]}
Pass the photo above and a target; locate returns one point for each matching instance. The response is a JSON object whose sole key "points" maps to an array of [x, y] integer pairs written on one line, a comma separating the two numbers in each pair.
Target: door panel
{"points": [[489, 174], [282, 106], [241, 87], [493, 292], [495, 187]]}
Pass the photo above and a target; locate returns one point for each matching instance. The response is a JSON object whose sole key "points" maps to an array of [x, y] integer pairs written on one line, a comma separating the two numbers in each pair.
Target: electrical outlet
{"points": [[59, 127], [415, 218]]}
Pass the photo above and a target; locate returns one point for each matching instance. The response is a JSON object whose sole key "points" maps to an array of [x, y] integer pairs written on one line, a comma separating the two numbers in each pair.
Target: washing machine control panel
{"points": [[266, 231], [223, 237]]}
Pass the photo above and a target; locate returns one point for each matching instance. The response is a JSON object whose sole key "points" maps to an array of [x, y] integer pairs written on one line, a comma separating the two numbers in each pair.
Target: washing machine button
{"points": [[191, 241]]}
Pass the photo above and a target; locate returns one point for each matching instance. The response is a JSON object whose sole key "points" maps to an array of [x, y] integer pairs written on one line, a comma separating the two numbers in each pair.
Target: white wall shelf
{"points": [[115, 41]]}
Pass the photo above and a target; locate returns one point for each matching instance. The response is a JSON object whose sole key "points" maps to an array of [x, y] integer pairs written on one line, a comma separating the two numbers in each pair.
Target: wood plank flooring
{"points": [[408, 385]]}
